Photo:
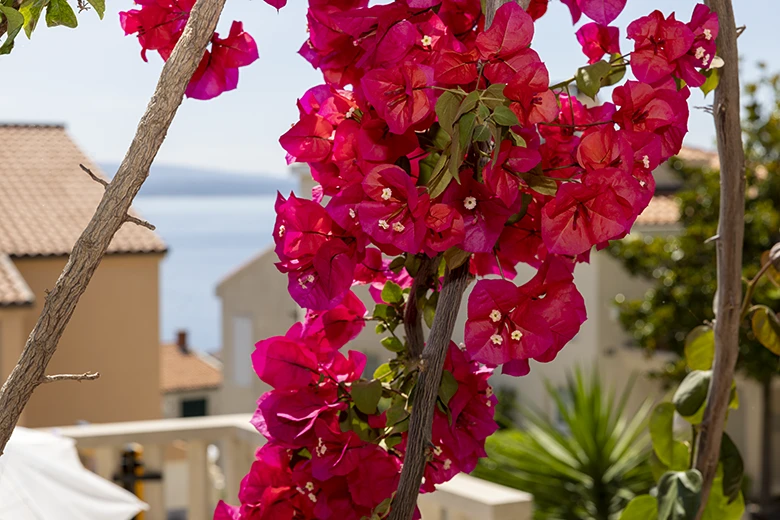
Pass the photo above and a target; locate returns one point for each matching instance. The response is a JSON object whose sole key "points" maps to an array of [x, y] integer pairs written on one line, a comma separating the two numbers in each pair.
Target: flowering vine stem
{"points": [[412, 317], [426, 392], [731, 229]]}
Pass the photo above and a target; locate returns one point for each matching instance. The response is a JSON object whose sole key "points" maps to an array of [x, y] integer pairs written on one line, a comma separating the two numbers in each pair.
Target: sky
{"points": [[93, 79]]}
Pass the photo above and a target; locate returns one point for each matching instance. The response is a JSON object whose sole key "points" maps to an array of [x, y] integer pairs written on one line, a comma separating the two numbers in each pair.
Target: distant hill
{"points": [[186, 181]]}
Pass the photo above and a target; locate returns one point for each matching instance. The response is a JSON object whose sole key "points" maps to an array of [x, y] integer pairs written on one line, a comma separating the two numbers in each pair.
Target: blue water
{"points": [[207, 238]]}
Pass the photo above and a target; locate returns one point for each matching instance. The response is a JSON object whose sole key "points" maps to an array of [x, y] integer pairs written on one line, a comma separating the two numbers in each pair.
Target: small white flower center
{"points": [[496, 339], [321, 448], [313, 497], [495, 315], [699, 53], [300, 490], [427, 40], [350, 112], [470, 203], [447, 464], [646, 161], [282, 229], [517, 335], [310, 486], [383, 224], [351, 213], [437, 450], [398, 227], [707, 34], [310, 278], [706, 60], [387, 193], [489, 391]]}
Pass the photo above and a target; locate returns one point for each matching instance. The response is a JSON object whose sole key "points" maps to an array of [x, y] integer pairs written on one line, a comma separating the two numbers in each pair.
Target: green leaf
{"points": [[383, 311], [392, 344], [448, 387], [733, 468], [493, 96], [692, 392], [466, 124], [467, 105], [713, 79], [446, 108], [455, 257], [483, 112], [540, 183], [440, 177], [719, 507], [397, 417], [617, 73], [15, 22], [482, 133], [679, 495], [99, 6], [642, 507], [393, 440], [58, 12], [397, 264], [429, 310], [366, 394], [766, 327], [589, 78], [662, 435], [700, 348], [771, 272], [392, 293], [384, 373], [504, 116], [31, 10]]}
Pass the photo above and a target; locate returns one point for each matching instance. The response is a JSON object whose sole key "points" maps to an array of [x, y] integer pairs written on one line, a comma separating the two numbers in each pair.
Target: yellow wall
{"points": [[114, 330]]}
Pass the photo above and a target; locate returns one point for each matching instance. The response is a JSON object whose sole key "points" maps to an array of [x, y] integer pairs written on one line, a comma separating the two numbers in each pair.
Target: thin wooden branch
{"points": [[109, 216], [426, 392], [412, 316], [731, 229], [87, 376], [95, 178], [139, 222]]}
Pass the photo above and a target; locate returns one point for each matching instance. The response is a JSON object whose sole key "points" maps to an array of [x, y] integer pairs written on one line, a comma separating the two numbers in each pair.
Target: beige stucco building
{"points": [[46, 201]]}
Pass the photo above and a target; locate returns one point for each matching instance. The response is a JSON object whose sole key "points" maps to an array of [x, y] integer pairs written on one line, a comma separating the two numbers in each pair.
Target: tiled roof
{"points": [[46, 200], [662, 211], [181, 371], [13, 288], [699, 157]]}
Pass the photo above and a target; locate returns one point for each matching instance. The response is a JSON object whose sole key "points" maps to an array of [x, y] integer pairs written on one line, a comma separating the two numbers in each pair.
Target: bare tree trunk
{"points": [[109, 216], [767, 456], [432, 363], [731, 229]]}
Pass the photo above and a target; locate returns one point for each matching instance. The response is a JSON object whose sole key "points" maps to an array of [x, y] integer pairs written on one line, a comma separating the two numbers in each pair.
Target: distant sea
{"points": [[207, 237]]}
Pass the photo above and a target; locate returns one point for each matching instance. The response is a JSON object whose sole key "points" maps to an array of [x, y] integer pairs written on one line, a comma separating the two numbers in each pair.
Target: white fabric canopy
{"points": [[41, 478]]}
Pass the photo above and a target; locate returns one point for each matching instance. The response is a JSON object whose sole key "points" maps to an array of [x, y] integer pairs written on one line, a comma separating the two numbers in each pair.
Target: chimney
{"points": [[181, 341]]}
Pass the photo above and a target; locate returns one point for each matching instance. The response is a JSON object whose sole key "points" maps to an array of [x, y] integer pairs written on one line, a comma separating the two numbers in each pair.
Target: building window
{"points": [[194, 407], [242, 351]]}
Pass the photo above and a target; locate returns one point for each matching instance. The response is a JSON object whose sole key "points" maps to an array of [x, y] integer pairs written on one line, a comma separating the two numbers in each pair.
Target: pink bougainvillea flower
{"points": [[602, 11], [658, 43], [445, 228], [276, 3], [504, 177], [505, 45], [324, 283], [394, 212], [705, 28], [375, 143], [284, 363], [309, 140], [503, 324], [158, 23], [226, 512], [302, 227], [537, 8], [483, 213], [288, 416], [597, 40], [604, 147], [375, 478], [581, 216], [336, 453], [659, 109], [574, 9], [531, 99], [401, 95], [326, 332], [328, 102], [456, 68]]}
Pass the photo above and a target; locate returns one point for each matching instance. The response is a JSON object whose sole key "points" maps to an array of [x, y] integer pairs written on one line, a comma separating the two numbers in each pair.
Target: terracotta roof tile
{"points": [[13, 289], [662, 211], [191, 371], [46, 200]]}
